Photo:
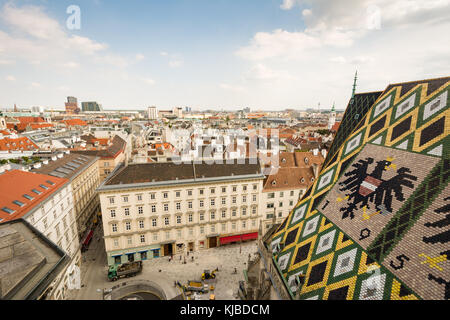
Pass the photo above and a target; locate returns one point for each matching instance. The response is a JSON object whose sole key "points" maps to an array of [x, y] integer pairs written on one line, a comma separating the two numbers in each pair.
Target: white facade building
{"points": [[161, 209], [152, 113]]}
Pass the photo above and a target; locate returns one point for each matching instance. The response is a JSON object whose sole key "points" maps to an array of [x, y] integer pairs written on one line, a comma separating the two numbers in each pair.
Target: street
{"points": [[230, 260]]}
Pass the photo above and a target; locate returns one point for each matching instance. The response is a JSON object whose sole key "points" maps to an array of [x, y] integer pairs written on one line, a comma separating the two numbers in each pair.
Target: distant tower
{"points": [[354, 87], [332, 119], [15, 108]]}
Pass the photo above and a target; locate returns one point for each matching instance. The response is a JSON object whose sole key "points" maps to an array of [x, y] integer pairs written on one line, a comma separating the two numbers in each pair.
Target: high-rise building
{"points": [[91, 106], [178, 111], [72, 105], [152, 113]]}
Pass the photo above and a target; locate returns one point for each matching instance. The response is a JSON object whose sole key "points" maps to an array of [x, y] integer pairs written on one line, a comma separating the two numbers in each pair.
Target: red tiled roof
{"points": [[75, 122], [289, 178], [23, 143], [30, 119], [335, 127], [16, 183]]}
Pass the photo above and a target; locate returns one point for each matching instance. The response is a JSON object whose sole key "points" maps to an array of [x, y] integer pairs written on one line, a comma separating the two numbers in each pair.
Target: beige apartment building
{"points": [[282, 190], [83, 174], [110, 157], [159, 209], [46, 203]]}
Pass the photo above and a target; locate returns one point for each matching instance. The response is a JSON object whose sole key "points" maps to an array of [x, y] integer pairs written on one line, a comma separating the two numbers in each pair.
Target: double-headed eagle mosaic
{"points": [[363, 187]]}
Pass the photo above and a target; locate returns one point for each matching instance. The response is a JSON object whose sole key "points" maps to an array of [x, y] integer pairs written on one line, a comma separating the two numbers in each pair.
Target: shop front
{"points": [[167, 248], [238, 238], [212, 240], [136, 254]]}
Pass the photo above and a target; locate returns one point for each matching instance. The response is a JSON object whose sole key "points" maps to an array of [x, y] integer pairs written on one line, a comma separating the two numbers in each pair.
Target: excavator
{"points": [[209, 275]]}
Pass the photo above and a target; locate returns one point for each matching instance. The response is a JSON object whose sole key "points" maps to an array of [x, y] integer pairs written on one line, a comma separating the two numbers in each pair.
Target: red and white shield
{"points": [[369, 185]]}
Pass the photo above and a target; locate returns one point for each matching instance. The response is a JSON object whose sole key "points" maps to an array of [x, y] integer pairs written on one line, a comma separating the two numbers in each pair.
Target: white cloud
{"points": [[149, 81], [85, 45], [288, 4], [229, 87], [6, 62], [262, 72], [36, 85], [175, 63], [71, 64], [339, 59], [339, 37], [32, 21], [63, 88], [140, 57], [10, 78], [37, 38], [163, 53]]}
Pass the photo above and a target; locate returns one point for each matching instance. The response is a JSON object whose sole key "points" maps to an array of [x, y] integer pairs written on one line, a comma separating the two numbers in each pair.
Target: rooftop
{"points": [[69, 166], [21, 191], [28, 261], [378, 212], [163, 172], [112, 151]]}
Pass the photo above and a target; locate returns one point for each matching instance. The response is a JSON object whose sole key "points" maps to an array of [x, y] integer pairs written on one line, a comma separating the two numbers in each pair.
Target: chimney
{"points": [[53, 158], [316, 152], [45, 161], [324, 153], [37, 166]]}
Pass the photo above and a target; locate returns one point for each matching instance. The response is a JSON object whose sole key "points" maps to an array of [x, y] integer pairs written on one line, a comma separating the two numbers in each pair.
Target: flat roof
{"points": [[28, 261]]}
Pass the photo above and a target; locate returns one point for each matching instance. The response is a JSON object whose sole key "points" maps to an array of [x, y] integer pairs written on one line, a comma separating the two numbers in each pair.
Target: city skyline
{"points": [[257, 54]]}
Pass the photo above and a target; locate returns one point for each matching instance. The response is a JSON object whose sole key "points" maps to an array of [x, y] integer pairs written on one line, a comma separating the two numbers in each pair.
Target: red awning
{"points": [[239, 237], [250, 236], [88, 237]]}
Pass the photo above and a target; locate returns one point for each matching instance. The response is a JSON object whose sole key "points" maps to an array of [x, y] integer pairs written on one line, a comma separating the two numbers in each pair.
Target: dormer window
{"points": [[302, 180], [283, 160], [8, 210], [274, 182], [312, 179], [306, 160], [17, 202]]}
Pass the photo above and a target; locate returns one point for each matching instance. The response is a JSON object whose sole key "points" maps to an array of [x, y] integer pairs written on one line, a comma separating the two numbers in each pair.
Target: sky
{"points": [[216, 54]]}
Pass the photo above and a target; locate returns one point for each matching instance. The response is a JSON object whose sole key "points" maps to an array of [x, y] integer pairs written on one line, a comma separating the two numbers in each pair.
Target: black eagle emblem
{"points": [[362, 187]]}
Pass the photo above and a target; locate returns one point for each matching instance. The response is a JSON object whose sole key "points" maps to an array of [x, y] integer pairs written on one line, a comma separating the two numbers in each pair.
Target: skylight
{"points": [[17, 202], [8, 210], [50, 182], [36, 191], [43, 186], [26, 196]]}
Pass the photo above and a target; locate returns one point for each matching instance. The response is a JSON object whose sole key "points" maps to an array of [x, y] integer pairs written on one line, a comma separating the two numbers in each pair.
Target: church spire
{"points": [[354, 86]]}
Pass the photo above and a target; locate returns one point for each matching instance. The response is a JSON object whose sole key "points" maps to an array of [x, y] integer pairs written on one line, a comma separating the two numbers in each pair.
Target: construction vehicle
{"points": [[209, 275], [195, 286], [128, 269]]}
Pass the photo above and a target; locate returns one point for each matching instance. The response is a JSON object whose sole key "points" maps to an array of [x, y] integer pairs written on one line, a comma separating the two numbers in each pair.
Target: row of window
{"points": [[280, 205], [165, 194], [179, 233], [254, 210], [201, 204], [271, 195]]}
